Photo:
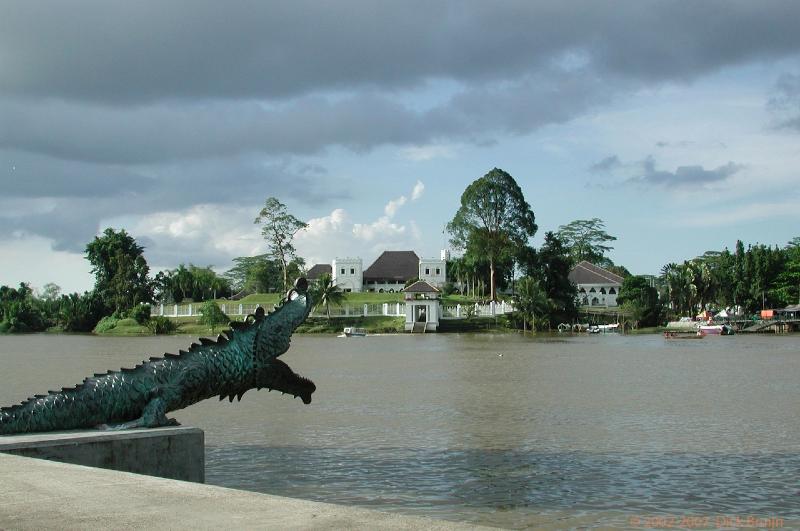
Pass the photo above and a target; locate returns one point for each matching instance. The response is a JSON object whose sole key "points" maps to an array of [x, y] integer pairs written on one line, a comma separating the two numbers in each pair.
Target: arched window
{"points": [[603, 291], [592, 290], [595, 301], [612, 291], [582, 290]]}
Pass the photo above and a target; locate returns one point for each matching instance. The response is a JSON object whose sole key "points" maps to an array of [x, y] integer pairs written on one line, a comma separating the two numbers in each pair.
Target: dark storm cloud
{"points": [[646, 174], [694, 175], [201, 49], [148, 82], [607, 164], [785, 103], [71, 222], [171, 132], [31, 175], [128, 108]]}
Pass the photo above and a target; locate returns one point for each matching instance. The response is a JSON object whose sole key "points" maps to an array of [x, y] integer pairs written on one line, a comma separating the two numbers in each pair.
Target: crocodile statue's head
{"points": [[273, 335]]}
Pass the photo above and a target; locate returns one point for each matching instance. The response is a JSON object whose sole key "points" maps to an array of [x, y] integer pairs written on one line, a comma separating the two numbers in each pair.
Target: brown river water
{"points": [[501, 430]]}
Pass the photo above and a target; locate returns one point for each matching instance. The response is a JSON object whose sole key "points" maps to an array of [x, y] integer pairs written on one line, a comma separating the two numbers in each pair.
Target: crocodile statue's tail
{"points": [[68, 409], [53, 411], [33, 415]]}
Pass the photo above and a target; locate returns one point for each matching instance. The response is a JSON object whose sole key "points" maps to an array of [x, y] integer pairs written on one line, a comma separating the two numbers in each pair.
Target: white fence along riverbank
{"points": [[386, 309]]}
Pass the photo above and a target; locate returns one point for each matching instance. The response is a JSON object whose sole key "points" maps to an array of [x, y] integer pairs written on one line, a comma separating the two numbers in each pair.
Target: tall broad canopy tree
{"points": [[587, 240], [120, 270], [278, 228], [494, 221]]}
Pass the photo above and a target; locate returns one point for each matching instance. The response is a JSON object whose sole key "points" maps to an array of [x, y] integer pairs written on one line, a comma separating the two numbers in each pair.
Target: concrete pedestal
{"points": [[173, 452]]}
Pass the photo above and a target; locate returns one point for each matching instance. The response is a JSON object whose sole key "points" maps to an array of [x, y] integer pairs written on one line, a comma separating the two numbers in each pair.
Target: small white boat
{"points": [[598, 329], [716, 330], [350, 331]]}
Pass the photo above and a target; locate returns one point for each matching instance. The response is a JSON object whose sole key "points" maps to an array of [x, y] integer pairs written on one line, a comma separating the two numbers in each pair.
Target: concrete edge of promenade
{"points": [[171, 452], [41, 494]]}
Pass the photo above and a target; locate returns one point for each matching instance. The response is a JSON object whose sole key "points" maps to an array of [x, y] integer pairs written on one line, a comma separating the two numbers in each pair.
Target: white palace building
{"points": [[388, 273]]}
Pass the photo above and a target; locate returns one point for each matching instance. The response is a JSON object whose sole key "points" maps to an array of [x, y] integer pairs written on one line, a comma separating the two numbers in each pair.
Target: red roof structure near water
{"points": [[393, 266], [587, 273]]}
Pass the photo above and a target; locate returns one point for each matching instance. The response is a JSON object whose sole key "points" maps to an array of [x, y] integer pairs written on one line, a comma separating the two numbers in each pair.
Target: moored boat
{"points": [[716, 330], [350, 331]]}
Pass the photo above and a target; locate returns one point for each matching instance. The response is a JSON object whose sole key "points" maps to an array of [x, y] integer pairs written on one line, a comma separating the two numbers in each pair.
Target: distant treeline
{"points": [[124, 288]]}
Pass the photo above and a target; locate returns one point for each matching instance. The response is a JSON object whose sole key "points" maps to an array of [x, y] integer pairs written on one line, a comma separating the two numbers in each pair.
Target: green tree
{"points": [[80, 313], [51, 291], [639, 298], [326, 292], [212, 315], [20, 311], [493, 221], [260, 274], [183, 281], [120, 270], [278, 228], [164, 287], [531, 301], [141, 313], [553, 265], [787, 284], [586, 239]]}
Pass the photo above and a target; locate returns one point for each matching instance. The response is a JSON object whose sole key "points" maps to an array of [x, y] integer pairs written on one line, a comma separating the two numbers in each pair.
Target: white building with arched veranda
{"points": [[596, 286]]}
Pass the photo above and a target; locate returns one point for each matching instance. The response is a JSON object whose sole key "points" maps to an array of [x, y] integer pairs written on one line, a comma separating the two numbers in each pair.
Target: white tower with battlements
{"points": [[347, 273]]}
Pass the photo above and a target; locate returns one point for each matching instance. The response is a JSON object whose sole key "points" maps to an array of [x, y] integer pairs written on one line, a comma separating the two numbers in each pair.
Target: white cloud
{"points": [[393, 205], [419, 188], [381, 228], [337, 235], [423, 153], [202, 234]]}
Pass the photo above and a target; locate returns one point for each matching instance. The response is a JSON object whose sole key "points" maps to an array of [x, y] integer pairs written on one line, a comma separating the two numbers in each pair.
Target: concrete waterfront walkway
{"points": [[39, 494]]}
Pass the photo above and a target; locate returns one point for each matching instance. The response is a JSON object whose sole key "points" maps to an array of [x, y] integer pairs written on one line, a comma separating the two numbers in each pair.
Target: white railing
{"points": [[387, 309]]}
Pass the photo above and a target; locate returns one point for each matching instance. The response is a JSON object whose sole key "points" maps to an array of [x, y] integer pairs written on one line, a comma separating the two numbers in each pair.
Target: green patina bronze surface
{"points": [[241, 359]]}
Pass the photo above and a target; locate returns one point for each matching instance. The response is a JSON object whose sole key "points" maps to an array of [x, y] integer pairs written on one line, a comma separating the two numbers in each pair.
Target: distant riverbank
{"points": [[319, 325]]}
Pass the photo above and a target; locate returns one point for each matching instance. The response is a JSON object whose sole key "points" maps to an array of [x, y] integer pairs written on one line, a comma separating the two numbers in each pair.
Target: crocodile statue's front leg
{"points": [[154, 415]]}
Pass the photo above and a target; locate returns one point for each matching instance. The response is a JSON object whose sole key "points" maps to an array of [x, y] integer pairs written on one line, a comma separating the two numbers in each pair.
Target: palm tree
{"points": [[327, 293], [183, 280], [531, 301]]}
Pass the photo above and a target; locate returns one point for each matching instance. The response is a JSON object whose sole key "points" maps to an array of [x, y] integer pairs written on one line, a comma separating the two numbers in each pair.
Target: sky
{"points": [[676, 123]]}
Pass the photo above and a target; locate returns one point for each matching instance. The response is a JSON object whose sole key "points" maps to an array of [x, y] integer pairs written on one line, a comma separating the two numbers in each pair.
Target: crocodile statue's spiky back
{"points": [[241, 359]]}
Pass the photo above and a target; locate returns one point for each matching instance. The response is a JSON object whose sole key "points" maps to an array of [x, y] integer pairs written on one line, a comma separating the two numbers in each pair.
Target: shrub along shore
{"points": [[315, 325]]}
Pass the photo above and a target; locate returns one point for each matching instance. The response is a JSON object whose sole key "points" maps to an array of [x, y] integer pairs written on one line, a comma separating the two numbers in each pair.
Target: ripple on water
{"points": [[464, 483]]}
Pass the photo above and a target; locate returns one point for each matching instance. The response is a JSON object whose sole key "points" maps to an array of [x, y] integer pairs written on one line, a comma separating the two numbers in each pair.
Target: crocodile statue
{"points": [[242, 358]]}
